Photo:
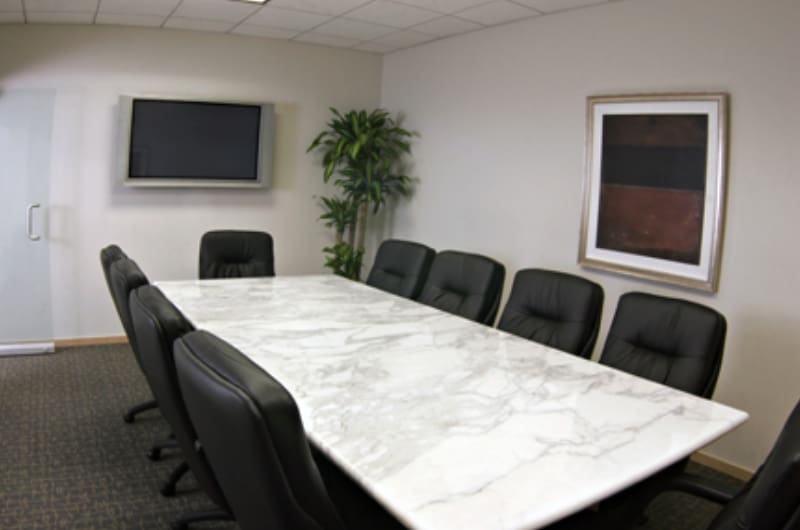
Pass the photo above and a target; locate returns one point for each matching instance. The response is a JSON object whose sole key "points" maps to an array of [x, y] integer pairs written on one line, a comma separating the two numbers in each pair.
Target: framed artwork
{"points": [[654, 194]]}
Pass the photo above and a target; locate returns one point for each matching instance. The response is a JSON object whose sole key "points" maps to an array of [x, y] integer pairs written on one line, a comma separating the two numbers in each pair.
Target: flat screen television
{"points": [[176, 143]]}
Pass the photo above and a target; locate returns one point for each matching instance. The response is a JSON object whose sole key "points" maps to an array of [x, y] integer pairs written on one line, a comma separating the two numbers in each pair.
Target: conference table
{"points": [[448, 423]]}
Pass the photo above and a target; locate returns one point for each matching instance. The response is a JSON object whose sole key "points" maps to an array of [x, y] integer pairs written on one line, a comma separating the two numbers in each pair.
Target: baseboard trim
{"points": [[722, 465], [90, 341]]}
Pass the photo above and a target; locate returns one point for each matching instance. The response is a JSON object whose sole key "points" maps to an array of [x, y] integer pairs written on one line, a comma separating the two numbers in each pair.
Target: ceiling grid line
{"points": [[169, 16], [96, 11]]}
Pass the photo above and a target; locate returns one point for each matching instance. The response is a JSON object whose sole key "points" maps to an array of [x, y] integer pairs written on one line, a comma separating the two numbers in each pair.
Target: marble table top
{"points": [[449, 423]]}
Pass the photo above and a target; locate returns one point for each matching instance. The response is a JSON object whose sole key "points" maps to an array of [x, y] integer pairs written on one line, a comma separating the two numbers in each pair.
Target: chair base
{"points": [[154, 453], [136, 409], [183, 522], [168, 489], [626, 510]]}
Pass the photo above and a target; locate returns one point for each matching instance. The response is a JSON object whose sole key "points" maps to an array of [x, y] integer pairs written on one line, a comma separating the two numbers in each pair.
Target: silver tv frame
{"points": [[265, 137]]}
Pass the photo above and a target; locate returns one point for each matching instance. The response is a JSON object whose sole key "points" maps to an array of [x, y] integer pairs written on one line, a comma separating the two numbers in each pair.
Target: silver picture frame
{"points": [[654, 189]]}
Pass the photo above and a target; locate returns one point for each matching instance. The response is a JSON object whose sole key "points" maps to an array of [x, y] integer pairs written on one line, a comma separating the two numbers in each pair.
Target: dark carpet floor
{"points": [[68, 461]]}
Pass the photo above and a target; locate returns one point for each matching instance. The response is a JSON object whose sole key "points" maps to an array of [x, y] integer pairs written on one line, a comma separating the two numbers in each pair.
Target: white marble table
{"points": [[451, 424]]}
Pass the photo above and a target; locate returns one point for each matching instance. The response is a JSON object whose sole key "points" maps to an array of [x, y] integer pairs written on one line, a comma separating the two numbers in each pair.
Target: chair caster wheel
{"points": [[154, 454], [127, 418]]}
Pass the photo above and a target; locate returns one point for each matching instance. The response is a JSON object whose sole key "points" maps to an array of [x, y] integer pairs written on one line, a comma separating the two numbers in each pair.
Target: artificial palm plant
{"points": [[364, 153]]}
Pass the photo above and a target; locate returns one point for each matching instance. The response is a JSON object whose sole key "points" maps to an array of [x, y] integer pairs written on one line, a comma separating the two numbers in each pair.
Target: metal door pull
{"points": [[29, 224]]}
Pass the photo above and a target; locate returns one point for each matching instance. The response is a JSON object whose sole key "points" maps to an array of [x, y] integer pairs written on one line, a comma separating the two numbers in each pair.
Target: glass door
{"points": [[26, 124]]}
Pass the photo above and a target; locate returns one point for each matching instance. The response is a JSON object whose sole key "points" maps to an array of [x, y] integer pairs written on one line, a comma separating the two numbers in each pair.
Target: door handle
{"points": [[29, 223]]}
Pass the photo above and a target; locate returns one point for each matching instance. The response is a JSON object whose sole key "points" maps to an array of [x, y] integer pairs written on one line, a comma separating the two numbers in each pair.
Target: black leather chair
{"points": [[126, 278], [468, 285], [769, 501], [401, 267], [251, 431], [667, 340], [158, 324], [554, 308], [236, 254], [670, 341]]}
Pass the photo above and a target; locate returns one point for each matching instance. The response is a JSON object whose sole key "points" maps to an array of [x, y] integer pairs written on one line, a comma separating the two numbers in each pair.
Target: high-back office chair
{"points": [[670, 341], [769, 501], [554, 308], [267, 471], [464, 284], [126, 276], [667, 340], [236, 254], [401, 267], [158, 324]]}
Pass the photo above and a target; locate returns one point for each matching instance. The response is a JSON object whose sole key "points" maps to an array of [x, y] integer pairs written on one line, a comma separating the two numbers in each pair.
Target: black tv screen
{"points": [[194, 140]]}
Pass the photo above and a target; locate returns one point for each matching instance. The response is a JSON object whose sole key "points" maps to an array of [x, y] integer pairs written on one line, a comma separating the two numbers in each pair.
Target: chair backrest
{"points": [[250, 428], [465, 284], [667, 340], [401, 267], [771, 499], [236, 254], [124, 276], [158, 324], [554, 308]]}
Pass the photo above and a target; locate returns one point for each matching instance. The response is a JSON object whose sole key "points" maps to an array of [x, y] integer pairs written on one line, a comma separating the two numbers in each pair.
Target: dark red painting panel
{"points": [[655, 222]]}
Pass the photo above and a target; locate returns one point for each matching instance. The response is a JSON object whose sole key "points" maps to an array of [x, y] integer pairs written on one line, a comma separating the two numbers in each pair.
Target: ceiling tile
{"points": [[60, 6], [404, 39], [446, 26], [40, 17], [446, 7], [392, 14], [375, 47], [497, 13], [138, 7], [326, 40], [367, 25], [263, 31], [198, 24], [275, 17], [551, 6], [151, 21], [10, 5], [353, 29], [325, 7], [217, 10], [7, 17]]}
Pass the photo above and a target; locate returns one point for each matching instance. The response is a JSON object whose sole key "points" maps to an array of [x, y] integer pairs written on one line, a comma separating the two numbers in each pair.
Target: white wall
{"points": [[91, 66], [501, 115]]}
